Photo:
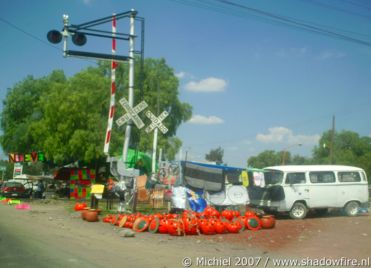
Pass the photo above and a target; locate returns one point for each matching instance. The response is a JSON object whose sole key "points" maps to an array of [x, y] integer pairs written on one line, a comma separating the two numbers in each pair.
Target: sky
{"points": [[255, 79]]}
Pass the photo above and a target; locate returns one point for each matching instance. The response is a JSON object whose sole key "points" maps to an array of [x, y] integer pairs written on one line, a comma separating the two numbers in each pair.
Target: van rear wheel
{"points": [[298, 211], [351, 208]]}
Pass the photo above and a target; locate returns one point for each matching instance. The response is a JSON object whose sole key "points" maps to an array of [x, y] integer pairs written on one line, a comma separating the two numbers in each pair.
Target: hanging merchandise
{"points": [[169, 173], [195, 200], [203, 176], [259, 179], [80, 182], [245, 178], [179, 197]]}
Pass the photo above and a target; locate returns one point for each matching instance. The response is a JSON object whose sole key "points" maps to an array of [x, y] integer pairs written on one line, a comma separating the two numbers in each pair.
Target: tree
{"points": [[215, 155], [348, 149], [273, 158], [67, 118], [21, 108], [265, 159]]}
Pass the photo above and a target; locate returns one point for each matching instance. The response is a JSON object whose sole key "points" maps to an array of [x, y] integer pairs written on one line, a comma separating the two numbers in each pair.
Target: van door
{"points": [[296, 188], [323, 189]]}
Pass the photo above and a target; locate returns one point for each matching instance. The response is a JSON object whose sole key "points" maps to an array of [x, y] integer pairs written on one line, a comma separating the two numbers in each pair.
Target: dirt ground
{"points": [[50, 235]]}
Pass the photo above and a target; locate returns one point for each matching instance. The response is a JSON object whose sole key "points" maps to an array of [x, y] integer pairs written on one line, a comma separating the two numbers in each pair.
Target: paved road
{"points": [[21, 246]]}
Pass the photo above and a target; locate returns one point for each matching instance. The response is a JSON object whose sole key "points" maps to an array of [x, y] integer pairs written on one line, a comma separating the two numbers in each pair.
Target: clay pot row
{"points": [[190, 223]]}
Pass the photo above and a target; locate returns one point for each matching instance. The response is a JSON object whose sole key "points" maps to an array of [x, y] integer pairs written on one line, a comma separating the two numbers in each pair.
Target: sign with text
{"points": [[31, 157], [18, 169]]}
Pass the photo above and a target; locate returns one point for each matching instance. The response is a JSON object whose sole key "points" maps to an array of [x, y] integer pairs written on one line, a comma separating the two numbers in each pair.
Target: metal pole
{"points": [[283, 157], [131, 84], [111, 111], [65, 34], [154, 152], [160, 156], [332, 141]]}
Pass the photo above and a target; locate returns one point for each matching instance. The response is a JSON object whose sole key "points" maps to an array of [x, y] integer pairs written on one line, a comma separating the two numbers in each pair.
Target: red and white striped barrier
{"points": [[111, 111]]}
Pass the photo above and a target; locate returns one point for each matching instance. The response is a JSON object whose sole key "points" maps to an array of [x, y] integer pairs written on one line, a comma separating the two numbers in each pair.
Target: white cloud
{"points": [[210, 84], [326, 55], [180, 75], [205, 120], [286, 136]]}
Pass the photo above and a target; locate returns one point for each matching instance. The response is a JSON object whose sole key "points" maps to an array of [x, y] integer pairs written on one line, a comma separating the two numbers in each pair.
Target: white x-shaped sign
{"points": [[132, 113], [156, 121]]}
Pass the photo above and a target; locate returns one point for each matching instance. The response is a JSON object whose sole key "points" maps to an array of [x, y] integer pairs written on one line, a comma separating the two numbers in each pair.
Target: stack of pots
{"points": [[209, 222]]}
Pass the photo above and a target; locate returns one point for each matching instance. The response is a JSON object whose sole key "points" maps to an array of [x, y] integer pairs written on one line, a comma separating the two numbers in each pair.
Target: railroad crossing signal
{"points": [[157, 122], [131, 113]]}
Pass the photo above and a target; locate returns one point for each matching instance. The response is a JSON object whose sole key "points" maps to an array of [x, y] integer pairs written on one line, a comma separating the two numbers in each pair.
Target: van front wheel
{"points": [[351, 208], [298, 211]]}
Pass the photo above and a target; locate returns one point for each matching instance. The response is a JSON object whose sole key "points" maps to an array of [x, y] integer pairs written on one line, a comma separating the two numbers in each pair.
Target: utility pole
{"points": [[332, 140], [131, 84]]}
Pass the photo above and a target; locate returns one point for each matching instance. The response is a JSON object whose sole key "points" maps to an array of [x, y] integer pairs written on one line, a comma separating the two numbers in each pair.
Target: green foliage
{"points": [[265, 159], [348, 149], [66, 118], [215, 155]]}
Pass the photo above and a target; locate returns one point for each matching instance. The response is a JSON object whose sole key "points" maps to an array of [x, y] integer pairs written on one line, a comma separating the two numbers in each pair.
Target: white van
{"points": [[296, 189]]}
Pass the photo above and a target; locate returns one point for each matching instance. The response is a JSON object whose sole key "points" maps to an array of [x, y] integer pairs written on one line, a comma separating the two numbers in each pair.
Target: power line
{"points": [[296, 23], [276, 19], [27, 33], [35, 37], [326, 5]]}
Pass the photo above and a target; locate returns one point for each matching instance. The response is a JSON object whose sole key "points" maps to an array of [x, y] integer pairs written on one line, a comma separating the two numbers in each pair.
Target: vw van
{"points": [[298, 189]]}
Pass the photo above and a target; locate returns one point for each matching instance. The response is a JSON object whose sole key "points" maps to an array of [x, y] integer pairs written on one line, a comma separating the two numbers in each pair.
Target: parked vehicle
{"points": [[298, 189], [14, 189]]}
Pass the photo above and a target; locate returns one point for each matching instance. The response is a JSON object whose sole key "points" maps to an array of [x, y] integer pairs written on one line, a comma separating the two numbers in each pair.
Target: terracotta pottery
{"points": [[268, 221], [207, 228], [250, 213], [228, 214], [190, 226], [91, 215], [140, 224], [220, 228], [253, 223], [163, 228], [154, 225], [175, 227], [83, 211], [80, 206], [233, 227]]}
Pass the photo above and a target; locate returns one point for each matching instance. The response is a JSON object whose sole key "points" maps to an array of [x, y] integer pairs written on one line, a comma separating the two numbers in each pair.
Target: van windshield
{"points": [[273, 177]]}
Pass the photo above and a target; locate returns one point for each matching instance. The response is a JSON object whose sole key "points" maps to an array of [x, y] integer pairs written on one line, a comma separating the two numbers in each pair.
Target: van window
{"points": [[322, 177], [349, 176], [273, 177], [295, 178], [364, 178]]}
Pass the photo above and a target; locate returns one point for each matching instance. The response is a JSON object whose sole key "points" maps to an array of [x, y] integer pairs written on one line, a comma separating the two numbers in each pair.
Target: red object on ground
{"points": [[268, 221], [80, 206]]}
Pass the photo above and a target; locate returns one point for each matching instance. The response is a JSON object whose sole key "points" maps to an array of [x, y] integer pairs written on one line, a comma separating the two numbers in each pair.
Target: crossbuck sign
{"points": [[131, 113], [157, 122]]}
